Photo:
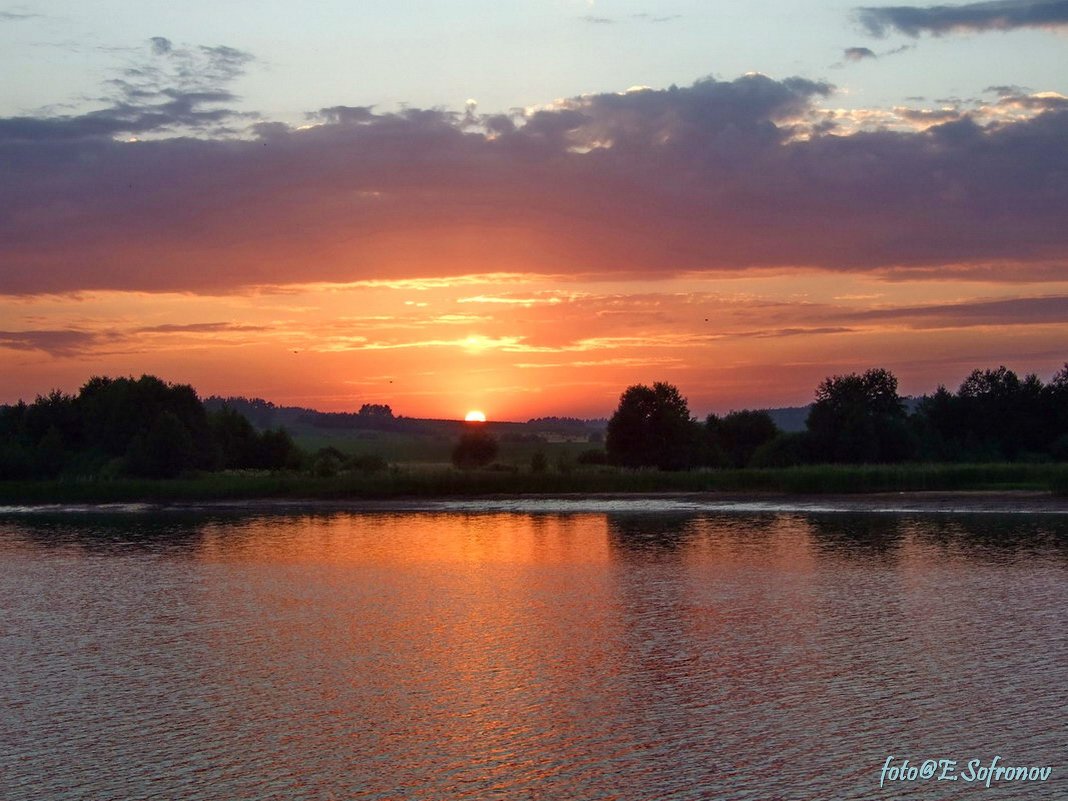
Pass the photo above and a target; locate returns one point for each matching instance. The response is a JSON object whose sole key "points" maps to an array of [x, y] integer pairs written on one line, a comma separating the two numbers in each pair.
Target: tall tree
{"points": [[859, 419], [1001, 413], [652, 427]]}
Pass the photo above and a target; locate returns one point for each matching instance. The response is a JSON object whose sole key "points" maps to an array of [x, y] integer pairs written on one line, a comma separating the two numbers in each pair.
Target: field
{"points": [[435, 446]]}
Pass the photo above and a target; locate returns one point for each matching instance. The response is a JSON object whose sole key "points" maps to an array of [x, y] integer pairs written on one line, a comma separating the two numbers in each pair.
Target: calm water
{"points": [[513, 655]]}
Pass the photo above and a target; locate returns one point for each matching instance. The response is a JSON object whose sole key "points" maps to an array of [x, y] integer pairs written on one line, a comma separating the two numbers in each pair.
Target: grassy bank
{"points": [[443, 482]]}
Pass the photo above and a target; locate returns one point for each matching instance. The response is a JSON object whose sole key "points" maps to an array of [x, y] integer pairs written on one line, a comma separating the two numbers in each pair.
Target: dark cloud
{"points": [[1005, 89], [161, 46], [344, 115], [998, 15], [857, 53], [717, 176]]}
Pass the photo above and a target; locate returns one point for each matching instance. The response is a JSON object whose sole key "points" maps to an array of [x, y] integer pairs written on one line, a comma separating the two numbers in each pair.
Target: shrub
{"points": [[475, 449], [327, 462], [368, 463], [786, 450], [593, 456]]}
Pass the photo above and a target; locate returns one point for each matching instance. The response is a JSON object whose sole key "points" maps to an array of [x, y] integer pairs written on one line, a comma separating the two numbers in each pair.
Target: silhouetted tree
{"points": [[377, 411], [739, 434], [261, 413], [236, 441], [859, 419], [277, 451], [1000, 414], [54, 411], [1055, 403], [164, 451], [788, 449], [50, 456], [938, 426], [115, 411], [143, 427], [652, 428]]}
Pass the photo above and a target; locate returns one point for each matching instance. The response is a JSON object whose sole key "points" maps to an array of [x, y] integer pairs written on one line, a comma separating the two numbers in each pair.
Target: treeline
{"points": [[370, 417], [995, 416], [148, 428], [127, 427]]}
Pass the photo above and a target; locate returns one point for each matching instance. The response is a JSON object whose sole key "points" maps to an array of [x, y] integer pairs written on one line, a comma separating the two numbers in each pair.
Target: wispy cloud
{"points": [[197, 328], [1045, 310], [54, 342], [642, 17], [656, 17], [18, 16], [173, 89], [97, 340]]}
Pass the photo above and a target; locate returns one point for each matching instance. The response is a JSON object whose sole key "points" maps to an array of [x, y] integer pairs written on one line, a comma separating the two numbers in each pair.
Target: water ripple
{"points": [[457, 655]]}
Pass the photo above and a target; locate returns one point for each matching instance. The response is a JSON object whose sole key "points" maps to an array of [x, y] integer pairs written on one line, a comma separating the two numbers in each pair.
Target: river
{"points": [[627, 652]]}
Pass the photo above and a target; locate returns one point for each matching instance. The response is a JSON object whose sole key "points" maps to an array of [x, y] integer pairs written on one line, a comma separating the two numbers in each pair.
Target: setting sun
{"points": [[475, 416]]}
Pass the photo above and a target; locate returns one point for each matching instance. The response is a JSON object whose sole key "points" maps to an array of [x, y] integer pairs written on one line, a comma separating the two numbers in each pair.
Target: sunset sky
{"points": [[525, 207]]}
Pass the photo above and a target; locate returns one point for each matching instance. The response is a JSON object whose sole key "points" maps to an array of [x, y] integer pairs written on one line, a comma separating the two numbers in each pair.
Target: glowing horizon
{"points": [[740, 235]]}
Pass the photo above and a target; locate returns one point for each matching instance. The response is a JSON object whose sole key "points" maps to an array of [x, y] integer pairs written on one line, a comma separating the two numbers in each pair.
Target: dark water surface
{"points": [[449, 655]]}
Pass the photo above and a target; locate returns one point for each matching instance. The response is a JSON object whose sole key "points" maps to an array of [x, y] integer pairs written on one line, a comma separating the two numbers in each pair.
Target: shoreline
{"points": [[1007, 502]]}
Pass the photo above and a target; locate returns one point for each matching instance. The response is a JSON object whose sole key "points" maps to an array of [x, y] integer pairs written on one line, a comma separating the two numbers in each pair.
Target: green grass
{"points": [[408, 448], [445, 482]]}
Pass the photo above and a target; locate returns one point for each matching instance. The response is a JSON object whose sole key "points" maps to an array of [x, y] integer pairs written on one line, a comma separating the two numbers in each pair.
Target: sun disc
{"points": [[475, 416]]}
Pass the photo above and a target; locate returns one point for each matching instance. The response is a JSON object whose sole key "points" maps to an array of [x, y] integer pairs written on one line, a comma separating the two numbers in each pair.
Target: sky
{"points": [[526, 207]]}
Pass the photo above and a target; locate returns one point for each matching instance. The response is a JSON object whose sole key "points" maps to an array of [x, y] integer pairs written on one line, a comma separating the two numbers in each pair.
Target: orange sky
{"points": [[741, 239], [520, 346]]}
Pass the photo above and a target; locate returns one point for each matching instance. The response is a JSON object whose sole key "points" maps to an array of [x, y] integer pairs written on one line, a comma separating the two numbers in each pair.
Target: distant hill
{"points": [[790, 418], [298, 420], [264, 414]]}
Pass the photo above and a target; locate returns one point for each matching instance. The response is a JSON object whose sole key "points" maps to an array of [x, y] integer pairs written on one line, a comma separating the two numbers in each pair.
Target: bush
{"points": [[786, 450], [740, 434], [475, 449], [368, 463], [539, 463], [593, 456], [327, 462]]}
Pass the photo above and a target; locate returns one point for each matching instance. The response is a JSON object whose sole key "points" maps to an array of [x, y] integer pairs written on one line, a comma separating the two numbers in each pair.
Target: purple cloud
{"points": [[717, 176]]}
